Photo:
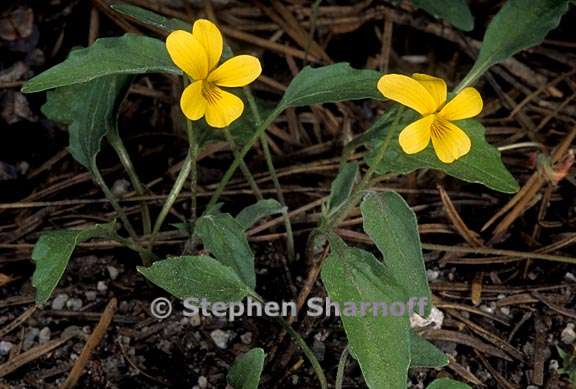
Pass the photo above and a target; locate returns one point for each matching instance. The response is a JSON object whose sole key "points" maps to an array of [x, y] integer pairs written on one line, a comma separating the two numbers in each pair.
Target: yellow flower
{"points": [[427, 96], [198, 54]]}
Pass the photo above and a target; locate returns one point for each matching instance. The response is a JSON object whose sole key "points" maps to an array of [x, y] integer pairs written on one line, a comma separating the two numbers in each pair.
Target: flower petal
{"points": [[407, 91], [449, 141], [210, 38], [434, 85], [188, 54], [237, 71], [223, 107], [192, 102], [416, 136], [466, 104]]}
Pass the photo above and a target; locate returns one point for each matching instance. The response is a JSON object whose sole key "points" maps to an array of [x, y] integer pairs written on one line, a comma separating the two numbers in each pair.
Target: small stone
{"points": [[30, 338], [435, 319], [202, 382], [90, 295], [246, 338], [121, 187], [505, 311], [568, 336], [554, 365], [101, 286], [74, 304], [570, 277], [221, 338], [432, 275], [487, 309], [59, 302], [44, 335], [5, 348], [113, 272]]}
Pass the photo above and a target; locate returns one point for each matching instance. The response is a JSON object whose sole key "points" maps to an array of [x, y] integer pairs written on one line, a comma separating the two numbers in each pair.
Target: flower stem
{"points": [[301, 343], [193, 153], [272, 170], [341, 368], [247, 174], [116, 143], [172, 196]]}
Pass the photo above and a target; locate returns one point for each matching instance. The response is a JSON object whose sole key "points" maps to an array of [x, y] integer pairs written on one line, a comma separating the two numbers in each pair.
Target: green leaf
{"points": [[455, 12], [128, 54], [425, 354], [520, 24], [341, 187], [481, 165], [151, 18], [246, 370], [261, 209], [52, 253], [224, 237], [393, 227], [199, 277], [329, 84], [90, 110], [447, 383], [380, 343]]}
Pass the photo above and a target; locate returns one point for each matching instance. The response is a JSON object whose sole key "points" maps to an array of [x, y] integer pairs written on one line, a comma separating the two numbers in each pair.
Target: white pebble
{"points": [[5, 347], [570, 277], [120, 187], [435, 319], [202, 382], [554, 365], [432, 275], [113, 272], [59, 302], [101, 286], [568, 335], [44, 335], [90, 295], [221, 338], [74, 304]]}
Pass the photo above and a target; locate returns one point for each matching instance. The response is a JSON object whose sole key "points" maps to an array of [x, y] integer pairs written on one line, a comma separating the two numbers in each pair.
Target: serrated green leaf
{"points": [[481, 165], [246, 370], [447, 383], [52, 253], [199, 277], [261, 209], [329, 84], [424, 354], [341, 187], [225, 239], [520, 24], [128, 54], [90, 110], [455, 12], [380, 343], [151, 18], [393, 227]]}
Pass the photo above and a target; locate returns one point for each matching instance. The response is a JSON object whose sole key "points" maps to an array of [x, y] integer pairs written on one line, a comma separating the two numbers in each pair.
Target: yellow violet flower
{"points": [[198, 54], [427, 96]]}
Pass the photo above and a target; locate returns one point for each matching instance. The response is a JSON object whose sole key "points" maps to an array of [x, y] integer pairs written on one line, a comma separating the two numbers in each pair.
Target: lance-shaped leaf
{"points": [[52, 253], [341, 187], [246, 370], [447, 383], [90, 110], [520, 24], [392, 226], [481, 165], [199, 277], [128, 54], [261, 209], [224, 237], [380, 342], [329, 84], [455, 12], [425, 354], [150, 18]]}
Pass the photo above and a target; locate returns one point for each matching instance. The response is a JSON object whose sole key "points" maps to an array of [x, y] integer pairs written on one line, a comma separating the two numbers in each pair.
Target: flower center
{"points": [[210, 92]]}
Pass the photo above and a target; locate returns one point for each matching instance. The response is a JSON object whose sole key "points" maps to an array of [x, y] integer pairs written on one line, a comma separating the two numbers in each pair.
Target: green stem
{"points": [[301, 343], [240, 157], [249, 177], [341, 368], [172, 196], [193, 152], [116, 142], [272, 170]]}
